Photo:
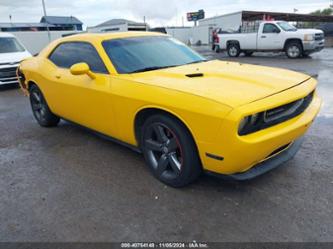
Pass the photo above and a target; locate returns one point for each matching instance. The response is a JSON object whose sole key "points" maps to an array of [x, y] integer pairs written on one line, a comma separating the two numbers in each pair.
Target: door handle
{"points": [[263, 36]]}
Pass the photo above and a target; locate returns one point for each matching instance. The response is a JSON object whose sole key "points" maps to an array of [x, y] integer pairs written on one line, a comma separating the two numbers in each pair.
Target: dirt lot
{"points": [[66, 184]]}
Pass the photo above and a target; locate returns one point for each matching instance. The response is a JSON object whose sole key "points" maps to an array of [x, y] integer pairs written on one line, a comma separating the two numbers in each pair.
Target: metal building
{"points": [[54, 23], [118, 25]]}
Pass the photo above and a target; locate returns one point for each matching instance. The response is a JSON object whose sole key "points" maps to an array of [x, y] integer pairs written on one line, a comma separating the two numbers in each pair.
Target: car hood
{"points": [[309, 31], [13, 57], [230, 83]]}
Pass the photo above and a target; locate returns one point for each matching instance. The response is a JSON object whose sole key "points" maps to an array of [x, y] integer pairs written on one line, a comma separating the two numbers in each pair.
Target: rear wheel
{"points": [[233, 50], [294, 50], [170, 151], [40, 108]]}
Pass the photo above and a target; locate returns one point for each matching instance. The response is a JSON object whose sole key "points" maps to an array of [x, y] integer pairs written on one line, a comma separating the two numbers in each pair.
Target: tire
{"points": [[170, 151], [294, 50], [40, 109], [233, 50], [248, 53]]}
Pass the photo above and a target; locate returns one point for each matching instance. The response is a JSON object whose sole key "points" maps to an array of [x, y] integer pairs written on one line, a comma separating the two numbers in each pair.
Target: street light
{"points": [[47, 24]]}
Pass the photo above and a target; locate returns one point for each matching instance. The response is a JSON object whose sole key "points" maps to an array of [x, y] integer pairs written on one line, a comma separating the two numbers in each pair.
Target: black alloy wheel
{"points": [[170, 151], [40, 109]]}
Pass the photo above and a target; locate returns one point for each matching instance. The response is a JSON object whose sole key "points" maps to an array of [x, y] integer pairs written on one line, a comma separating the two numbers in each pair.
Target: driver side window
{"points": [[270, 28], [67, 54]]}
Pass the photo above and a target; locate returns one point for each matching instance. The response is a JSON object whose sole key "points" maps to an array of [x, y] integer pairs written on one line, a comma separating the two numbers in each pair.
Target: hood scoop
{"points": [[195, 75]]}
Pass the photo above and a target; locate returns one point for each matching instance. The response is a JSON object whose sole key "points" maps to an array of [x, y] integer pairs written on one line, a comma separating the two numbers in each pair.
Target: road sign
{"points": [[195, 16]]}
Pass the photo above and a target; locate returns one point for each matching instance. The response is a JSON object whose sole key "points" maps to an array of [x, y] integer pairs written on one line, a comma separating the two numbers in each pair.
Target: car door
{"points": [[270, 37], [79, 98]]}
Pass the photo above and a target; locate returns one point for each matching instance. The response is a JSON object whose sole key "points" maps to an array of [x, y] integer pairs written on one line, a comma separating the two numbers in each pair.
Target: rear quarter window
{"points": [[67, 54]]}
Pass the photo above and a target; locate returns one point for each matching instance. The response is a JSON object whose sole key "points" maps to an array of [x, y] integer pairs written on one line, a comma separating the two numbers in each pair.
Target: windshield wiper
{"points": [[145, 69], [194, 62]]}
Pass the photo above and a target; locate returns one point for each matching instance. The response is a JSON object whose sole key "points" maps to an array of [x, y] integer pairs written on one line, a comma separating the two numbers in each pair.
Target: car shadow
{"points": [[9, 87], [205, 182]]}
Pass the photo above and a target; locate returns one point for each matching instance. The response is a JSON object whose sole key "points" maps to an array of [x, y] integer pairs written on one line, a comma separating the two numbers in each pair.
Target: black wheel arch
{"points": [[233, 42], [289, 40], [31, 83], [144, 114]]}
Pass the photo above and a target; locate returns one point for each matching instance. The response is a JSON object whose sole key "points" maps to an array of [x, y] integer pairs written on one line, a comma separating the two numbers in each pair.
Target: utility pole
{"points": [[47, 24], [10, 19], [144, 21]]}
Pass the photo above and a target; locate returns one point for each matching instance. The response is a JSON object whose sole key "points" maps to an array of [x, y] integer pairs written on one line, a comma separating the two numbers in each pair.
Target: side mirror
{"points": [[277, 31], [82, 68]]}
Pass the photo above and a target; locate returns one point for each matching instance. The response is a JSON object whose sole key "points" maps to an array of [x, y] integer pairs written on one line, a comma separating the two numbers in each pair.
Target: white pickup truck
{"points": [[271, 36], [12, 52]]}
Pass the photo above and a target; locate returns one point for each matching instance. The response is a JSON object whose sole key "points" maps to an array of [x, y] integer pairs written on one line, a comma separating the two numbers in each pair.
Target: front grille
{"points": [[278, 115], [9, 63], [8, 75], [287, 111], [319, 36]]}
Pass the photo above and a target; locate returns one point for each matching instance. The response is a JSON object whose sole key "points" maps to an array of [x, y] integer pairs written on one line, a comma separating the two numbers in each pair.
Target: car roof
{"points": [[109, 36], [2, 34]]}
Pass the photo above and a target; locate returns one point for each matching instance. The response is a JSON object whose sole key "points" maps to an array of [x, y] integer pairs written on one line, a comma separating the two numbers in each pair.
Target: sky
{"points": [[157, 12]]}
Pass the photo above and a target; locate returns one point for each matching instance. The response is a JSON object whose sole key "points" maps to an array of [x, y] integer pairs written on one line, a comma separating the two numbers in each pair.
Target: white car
{"points": [[12, 52], [271, 36]]}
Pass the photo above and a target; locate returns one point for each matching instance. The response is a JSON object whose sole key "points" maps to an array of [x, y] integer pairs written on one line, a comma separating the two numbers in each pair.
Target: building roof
{"points": [[119, 22], [24, 25], [290, 17], [61, 20]]}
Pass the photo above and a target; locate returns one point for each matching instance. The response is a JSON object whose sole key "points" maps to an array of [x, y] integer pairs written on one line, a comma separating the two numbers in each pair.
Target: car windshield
{"points": [[286, 26], [10, 45], [140, 54]]}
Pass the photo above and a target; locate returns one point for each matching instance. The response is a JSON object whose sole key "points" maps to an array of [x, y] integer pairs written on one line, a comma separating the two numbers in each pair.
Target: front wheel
{"points": [[40, 109], [294, 50], [170, 151]]}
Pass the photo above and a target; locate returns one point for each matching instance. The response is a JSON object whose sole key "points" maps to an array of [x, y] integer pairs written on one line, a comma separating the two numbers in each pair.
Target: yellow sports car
{"points": [[184, 113]]}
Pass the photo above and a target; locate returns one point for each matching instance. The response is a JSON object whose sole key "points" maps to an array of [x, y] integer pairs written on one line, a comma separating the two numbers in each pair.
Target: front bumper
{"points": [[8, 75], [267, 165], [234, 154], [313, 46]]}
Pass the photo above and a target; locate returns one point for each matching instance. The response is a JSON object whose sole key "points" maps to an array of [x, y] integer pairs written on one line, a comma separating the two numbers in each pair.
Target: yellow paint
{"points": [[211, 106]]}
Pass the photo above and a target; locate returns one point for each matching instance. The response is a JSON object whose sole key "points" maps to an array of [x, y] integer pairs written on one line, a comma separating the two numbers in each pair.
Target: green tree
{"points": [[324, 12]]}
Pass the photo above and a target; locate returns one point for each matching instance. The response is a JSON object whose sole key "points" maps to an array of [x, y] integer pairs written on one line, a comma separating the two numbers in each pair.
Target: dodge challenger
{"points": [[186, 114]]}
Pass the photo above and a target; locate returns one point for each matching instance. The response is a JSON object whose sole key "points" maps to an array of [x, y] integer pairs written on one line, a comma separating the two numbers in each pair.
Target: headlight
{"points": [[248, 123], [308, 37]]}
